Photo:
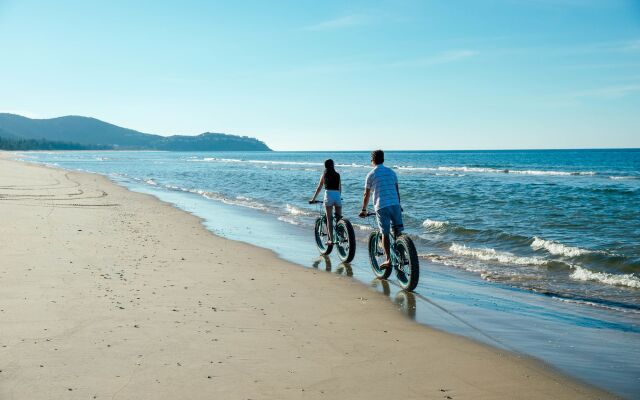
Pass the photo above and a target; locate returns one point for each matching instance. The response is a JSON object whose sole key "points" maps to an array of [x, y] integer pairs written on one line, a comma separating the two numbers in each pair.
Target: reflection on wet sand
{"points": [[382, 285], [342, 268], [406, 301], [322, 260]]}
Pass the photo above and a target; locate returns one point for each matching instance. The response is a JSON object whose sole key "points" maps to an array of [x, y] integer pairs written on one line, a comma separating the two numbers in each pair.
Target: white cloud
{"points": [[608, 92], [568, 3], [603, 93], [346, 21], [442, 58], [632, 45]]}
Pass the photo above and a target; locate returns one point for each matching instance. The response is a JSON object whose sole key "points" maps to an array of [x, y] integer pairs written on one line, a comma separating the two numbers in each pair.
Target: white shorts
{"points": [[332, 198]]}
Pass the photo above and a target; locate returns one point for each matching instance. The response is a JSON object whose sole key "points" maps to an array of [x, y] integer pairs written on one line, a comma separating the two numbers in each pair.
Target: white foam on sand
{"points": [[297, 211], [288, 220]]}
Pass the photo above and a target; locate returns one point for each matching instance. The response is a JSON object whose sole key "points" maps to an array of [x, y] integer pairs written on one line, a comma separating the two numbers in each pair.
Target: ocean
{"points": [[546, 239], [565, 223]]}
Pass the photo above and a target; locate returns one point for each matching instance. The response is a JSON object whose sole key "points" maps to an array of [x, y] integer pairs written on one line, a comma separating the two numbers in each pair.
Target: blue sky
{"points": [[334, 75]]}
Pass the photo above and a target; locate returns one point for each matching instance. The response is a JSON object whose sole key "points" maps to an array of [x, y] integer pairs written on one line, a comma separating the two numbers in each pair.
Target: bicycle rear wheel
{"points": [[376, 255], [408, 268], [346, 243], [322, 236]]}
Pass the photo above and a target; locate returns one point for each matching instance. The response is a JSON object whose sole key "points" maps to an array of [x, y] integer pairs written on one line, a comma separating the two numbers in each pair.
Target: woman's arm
{"points": [[318, 189]]}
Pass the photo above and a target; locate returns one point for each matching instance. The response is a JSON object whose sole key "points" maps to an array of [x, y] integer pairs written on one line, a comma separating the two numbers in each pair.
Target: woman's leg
{"points": [[338, 212], [329, 210]]}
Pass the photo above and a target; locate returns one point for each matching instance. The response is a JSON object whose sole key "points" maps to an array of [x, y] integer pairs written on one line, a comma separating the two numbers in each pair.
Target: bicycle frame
{"points": [[402, 256], [342, 237], [334, 220], [393, 254]]}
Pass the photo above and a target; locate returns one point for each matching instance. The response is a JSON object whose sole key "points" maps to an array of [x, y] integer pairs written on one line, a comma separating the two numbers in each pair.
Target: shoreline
{"points": [[467, 369]]}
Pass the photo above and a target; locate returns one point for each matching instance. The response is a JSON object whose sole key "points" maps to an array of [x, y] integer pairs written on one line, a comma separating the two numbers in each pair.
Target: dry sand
{"points": [[110, 294]]}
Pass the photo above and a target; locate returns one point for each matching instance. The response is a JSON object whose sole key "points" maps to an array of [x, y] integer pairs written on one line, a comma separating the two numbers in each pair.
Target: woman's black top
{"points": [[331, 179]]}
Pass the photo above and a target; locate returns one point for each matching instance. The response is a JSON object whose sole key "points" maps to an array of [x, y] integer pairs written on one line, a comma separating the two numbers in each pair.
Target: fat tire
{"points": [[348, 256], [372, 246], [414, 265], [323, 248]]}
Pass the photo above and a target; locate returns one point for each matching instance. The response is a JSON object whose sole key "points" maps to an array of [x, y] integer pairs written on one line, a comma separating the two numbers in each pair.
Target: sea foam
{"points": [[583, 274], [297, 211], [489, 254], [557, 249], [433, 224], [466, 169]]}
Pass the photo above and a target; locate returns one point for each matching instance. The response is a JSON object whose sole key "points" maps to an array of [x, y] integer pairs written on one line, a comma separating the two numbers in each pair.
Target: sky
{"points": [[334, 75]]}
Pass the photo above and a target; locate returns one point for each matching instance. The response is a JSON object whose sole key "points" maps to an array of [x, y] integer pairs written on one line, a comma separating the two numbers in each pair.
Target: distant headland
{"points": [[85, 133]]}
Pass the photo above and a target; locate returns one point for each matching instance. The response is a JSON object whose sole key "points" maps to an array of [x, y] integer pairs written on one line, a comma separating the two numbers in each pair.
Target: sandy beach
{"points": [[106, 293]]}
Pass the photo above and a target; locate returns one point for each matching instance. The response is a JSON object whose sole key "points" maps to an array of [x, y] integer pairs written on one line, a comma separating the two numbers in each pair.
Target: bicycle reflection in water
{"points": [[342, 268], [406, 301]]}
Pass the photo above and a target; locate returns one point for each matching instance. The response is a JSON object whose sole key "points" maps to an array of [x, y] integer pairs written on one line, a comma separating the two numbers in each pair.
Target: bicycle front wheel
{"points": [[322, 236], [376, 255], [346, 240], [408, 268]]}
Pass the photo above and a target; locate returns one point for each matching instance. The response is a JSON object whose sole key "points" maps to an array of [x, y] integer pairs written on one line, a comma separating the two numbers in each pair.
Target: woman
{"points": [[330, 179]]}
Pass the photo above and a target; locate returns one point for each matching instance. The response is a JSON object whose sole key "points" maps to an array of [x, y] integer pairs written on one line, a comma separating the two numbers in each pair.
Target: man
{"points": [[382, 183]]}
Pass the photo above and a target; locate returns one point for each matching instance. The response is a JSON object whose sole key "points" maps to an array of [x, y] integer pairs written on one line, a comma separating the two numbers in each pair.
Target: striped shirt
{"points": [[382, 182]]}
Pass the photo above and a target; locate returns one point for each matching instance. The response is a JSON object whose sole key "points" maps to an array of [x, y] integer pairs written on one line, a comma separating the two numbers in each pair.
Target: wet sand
{"points": [[106, 293]]}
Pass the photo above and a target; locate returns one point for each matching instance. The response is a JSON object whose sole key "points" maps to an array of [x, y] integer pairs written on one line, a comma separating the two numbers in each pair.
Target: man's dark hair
{"points": [[377, 156]]}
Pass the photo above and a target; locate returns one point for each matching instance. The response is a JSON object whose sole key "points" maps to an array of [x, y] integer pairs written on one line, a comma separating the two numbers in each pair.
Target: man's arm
{"points": [[398, 191], [365, 202]]}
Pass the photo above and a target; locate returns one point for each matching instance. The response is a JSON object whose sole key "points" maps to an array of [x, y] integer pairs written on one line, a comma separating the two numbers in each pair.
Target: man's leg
{"points": [[387, 250], [384, 224], [397, 226]]}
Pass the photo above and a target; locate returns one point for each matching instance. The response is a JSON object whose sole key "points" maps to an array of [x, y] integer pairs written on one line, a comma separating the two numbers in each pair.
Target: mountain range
{"points": [[85, 133]]}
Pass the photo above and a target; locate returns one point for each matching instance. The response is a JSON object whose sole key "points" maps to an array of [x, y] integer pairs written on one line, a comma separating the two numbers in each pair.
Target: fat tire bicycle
{"points": [[403, 254], [344, 238]]}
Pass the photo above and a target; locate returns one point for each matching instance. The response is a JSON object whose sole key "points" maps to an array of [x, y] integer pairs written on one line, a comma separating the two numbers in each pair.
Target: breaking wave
{"points": [[583, 274], [495, 170], [489, 254], [558, 249], [433, 224]]}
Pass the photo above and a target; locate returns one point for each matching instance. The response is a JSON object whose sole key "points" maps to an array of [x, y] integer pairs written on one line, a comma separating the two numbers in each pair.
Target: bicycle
{"points": [[344, 237], [404, 257]]}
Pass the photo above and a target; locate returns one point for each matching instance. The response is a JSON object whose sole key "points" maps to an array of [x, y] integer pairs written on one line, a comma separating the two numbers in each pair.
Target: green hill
{"points": [[76, 132]]}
